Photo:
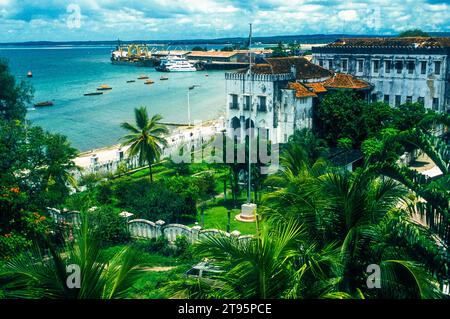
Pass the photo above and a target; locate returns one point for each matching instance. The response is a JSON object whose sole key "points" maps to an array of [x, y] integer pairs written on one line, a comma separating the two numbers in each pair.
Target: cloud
{"points": [[24, 20]]}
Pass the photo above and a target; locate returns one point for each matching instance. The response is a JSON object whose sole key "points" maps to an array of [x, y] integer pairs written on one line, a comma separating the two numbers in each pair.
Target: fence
{"points": [[195, 137], [145, 229]]}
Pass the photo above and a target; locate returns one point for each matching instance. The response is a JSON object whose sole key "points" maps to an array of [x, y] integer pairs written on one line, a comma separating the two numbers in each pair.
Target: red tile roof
{"points": [[300, 90], [345, 81], [316, 87]]}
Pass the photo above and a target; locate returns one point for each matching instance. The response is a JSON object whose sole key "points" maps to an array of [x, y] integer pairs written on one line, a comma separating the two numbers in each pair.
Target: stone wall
{"points": [[145, 229]]}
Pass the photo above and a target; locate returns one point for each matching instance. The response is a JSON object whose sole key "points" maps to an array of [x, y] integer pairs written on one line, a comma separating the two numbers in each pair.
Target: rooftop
{"points": [[300, 90], [316, 87], [392, 42], [304, 69], [345, 81]]}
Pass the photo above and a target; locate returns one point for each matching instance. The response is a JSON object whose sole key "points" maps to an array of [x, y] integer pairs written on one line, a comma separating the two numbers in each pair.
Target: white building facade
{"points": [[270, 101], [400, 69]]}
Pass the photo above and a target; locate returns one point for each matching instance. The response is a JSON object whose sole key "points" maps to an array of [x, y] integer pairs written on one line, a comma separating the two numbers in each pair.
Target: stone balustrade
{"points": [[145, 229]]}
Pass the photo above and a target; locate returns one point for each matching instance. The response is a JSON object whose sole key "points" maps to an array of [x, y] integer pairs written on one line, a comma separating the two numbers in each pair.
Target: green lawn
{"points": [[217, 217]]}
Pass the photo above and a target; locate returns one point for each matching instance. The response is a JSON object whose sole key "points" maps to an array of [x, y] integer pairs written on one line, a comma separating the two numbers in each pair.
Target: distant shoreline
{"points": [[266, 40]]}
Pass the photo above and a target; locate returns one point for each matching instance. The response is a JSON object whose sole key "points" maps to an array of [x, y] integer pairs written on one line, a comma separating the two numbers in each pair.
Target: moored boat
{"points": [[46, 103], [143, 77], [93, 93], [163, 78], [104, 87], [131, 81], [149, 82], [29, 74]]}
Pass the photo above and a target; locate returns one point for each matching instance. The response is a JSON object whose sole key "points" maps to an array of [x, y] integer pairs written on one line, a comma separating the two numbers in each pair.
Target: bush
{"points": [[206, 184], [158, 245], [167, 200], [111, 227], [12, 244], [104, 193]]}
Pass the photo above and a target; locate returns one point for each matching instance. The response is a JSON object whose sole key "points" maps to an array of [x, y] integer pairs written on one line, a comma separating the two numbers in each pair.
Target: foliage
{"points": [[413, 33], [278, 263], [359, 212], [227, 49], [146, 138], [107, 223], [13, 244], [344, 114], [167, 199], [39, 276], [14, 97]]}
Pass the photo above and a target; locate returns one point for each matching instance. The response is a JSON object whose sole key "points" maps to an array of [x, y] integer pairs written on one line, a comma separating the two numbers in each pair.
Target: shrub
{"points": [[167, 200], [206, 184], [13, 244], [104, 193], [158, 245], [111, 227]]}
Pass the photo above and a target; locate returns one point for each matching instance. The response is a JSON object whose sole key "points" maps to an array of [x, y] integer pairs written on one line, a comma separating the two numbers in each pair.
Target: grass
{"points": [[151, 284], [217, 217]]}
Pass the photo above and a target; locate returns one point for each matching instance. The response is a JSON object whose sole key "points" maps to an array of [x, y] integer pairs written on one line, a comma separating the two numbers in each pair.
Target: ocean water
{"points": [[65, 74]]}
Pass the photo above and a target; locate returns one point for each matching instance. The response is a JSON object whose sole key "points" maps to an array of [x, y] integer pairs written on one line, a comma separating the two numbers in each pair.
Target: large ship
{"points": [[175, 64], [133, 54]]}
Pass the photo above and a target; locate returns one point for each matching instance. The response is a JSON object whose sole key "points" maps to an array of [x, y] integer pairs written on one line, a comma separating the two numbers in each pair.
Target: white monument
{"points": [[248, 213]]}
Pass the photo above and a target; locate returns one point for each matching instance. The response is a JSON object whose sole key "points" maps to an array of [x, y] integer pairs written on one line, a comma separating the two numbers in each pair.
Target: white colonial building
{"points": [[400, 69], [278, 96]]}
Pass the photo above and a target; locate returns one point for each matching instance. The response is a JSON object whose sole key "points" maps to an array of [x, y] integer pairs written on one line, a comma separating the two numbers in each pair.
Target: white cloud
{"points": [[348, 15], [174, 19]]}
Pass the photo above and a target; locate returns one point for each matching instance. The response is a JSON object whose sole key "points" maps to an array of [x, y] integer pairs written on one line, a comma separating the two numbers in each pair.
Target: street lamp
{"points": [[189, 103]]}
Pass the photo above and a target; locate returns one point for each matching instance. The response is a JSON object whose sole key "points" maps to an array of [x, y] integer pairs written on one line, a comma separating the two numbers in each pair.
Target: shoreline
{"points": [[106, 157]]}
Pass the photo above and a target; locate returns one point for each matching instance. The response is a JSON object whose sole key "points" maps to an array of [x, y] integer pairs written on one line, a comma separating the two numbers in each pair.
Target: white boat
{"points": [[176, 64]]}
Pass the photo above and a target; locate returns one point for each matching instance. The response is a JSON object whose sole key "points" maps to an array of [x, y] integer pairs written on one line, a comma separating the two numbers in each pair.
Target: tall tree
{"points": [[146, 138], [13, 97]]}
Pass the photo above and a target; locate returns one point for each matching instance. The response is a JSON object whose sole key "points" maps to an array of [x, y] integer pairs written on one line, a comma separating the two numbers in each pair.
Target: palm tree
{"points": [[146, 138], [360, 213], [37, 276], [278, 262]]}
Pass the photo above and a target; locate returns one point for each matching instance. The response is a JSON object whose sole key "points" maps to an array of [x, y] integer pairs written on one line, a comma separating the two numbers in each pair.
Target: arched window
{"points": [[235, 123]]}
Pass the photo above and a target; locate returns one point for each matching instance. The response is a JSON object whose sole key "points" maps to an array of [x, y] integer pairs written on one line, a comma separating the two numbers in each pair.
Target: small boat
{"points": [[131, 81], [93, 93], [163, 78], [143, 77], [46, 103], [149, 82], [29, 74], [206, 75], [104, 87]]}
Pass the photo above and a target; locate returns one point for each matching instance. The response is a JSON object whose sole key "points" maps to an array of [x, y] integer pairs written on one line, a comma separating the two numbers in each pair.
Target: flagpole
{"points": [[249, 197]]}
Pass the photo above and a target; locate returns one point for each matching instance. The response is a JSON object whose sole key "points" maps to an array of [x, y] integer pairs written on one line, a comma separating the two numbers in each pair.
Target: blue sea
{"points": [[64, 74]]}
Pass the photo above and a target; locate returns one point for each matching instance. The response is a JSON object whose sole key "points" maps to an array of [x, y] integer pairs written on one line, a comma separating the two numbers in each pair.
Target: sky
{"points": [[84, 20]]}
